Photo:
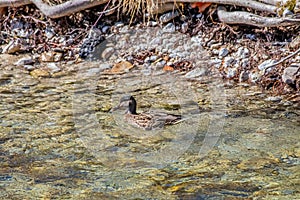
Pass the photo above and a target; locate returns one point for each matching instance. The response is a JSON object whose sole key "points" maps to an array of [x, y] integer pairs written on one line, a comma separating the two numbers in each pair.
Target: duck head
{"points": [[127, 102]]}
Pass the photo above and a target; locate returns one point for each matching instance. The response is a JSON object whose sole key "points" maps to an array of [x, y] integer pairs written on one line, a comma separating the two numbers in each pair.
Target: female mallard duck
{"points": [[146, 121]]}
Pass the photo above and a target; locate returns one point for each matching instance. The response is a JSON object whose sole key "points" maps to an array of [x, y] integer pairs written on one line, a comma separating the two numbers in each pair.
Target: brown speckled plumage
{"points": [[146, 121]]}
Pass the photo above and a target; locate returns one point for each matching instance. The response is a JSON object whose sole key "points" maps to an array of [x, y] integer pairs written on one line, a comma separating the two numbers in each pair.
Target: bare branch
{"points": [[14, 3], [249, 4], [282, 60], [239, 17], [66, 8]]}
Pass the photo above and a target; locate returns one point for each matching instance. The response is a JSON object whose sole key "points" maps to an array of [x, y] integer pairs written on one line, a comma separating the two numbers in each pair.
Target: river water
{"points": [[60, 140]]}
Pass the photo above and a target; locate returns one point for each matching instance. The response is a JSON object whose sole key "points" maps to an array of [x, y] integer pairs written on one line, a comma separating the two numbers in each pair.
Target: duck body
{"points": [[151, 121], [147, 120]]}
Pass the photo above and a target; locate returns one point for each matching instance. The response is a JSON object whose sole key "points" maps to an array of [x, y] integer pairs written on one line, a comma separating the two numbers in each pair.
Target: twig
{"points": [[241, 17], [282, 60], [36, 20], [103, 12]]}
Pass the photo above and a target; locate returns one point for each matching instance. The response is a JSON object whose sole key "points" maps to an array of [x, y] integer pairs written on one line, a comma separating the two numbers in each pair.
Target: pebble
{"points": [[244, 76], [51, 56], [229, 61], [24, 61], [104, 66], [156, 41], [107, 53], [169, 28], [29, 67], [251, 37], [289, 74], [184, 27], [119, 24], [274, 99], [245, 63], [199, 15], [160, 64], [231, 72], [40, 73], [53, 68], [196, 39], [168, 16], [152, 23], [215, 52], [196, 73], [254, 76], [49, 32], [105, 29], [243, 52], [223, 52], [153, 58], [217, 63]]}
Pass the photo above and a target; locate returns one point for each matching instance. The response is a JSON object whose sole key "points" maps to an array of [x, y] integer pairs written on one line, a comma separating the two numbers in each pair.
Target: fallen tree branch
{"points": [[78, 5], [66, 8], [159, 6], [271, 2], [240, 17], [14, 3], [248, 4]]}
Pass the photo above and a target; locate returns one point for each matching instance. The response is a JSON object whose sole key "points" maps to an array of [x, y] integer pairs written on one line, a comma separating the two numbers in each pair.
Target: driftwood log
{"points": [[159, 6]]}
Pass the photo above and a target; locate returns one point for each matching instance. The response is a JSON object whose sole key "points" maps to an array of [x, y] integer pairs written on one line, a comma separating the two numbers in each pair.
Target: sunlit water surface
{"points": [[59, 138]]}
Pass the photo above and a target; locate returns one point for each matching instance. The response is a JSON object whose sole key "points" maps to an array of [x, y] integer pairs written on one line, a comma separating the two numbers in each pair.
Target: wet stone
{"points": [[170, 28], [152, 23], [196, 73], [24, 61], [244, 76], [274, 99], [29, 67], [243, 52], [168, 16], [40, 73], [53, 68], [51, 56], [107, 53], [105, 29], [49, 32], [231, 72], [12, 47], [223, 52], [254, 76], [289, 74], [229, 61], [184, 27]]}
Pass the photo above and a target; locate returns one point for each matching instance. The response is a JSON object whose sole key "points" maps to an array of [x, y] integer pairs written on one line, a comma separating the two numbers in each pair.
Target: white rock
{"points": [[229, 61], [231, 72], [53, 67], [24, 61], [289, 74], [223, 52], [196, 73], [273, 99]]}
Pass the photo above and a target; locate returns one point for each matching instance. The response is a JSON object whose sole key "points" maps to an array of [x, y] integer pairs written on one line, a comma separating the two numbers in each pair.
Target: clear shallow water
{"points": [[59, 140]]}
